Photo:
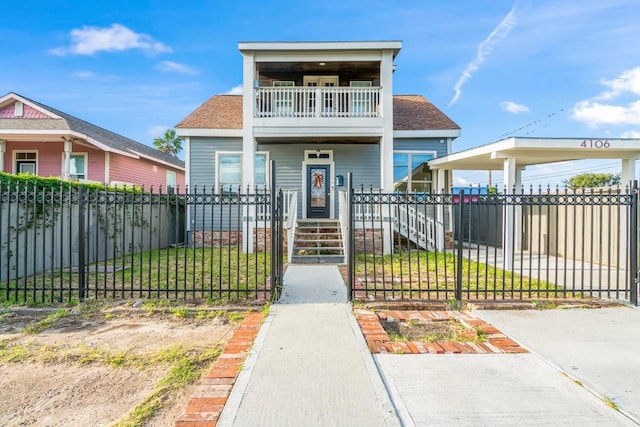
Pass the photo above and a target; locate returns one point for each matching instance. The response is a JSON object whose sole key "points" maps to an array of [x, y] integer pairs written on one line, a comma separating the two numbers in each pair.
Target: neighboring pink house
{"points": [[38, 139]]}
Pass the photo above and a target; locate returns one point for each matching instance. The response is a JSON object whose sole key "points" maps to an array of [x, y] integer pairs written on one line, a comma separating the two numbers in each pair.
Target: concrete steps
{"points": [[318, 241]]}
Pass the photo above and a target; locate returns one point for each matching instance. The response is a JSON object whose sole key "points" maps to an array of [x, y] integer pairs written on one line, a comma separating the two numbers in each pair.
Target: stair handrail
{"points": [[291, 222], [415, 225], [343, 213]]}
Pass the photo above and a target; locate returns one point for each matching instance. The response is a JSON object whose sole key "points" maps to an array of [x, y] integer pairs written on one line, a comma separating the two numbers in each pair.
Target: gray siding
{"points": [[202, 176], [202, 158], [363, 160], [421, 144]]}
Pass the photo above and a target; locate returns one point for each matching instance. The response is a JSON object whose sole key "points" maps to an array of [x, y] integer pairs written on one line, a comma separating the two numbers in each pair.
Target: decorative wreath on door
{"points": [[318, 180]]}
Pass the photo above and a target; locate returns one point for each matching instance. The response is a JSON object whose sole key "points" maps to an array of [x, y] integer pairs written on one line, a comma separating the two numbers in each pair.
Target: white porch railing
{"points": [[416, 225], [300, 101], [263, 213]]}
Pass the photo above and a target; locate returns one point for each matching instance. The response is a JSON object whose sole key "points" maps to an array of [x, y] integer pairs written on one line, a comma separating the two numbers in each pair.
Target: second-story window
{"points": [[360, 99], [283, 99]]}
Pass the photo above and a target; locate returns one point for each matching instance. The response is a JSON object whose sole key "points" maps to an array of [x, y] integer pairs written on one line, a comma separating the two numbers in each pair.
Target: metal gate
{"points": [[553, 245]]}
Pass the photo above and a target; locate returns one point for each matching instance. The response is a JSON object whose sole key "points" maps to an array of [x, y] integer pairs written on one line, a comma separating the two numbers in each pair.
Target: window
{"points": [[26, 162], [230, 171], [78, 166], [283, 99], [360, 104], [18, 109], [411, 172], [261, 171], [170, 180]]}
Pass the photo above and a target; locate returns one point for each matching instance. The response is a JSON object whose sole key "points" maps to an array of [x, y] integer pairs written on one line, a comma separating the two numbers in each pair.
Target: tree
{"points": [[169, 143], [591, 180]]}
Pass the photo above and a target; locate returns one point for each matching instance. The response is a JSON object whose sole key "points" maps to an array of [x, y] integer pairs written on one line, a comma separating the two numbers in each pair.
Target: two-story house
{"points": [[320, 110]]}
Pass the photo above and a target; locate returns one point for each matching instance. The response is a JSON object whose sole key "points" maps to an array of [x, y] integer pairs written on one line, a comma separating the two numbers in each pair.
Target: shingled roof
{"points": [[415, 112], [410, 112], [106, 137]]}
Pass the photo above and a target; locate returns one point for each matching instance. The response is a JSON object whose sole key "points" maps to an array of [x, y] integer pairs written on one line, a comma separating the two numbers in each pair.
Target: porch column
{"points": [[627, 176], [3, 149], [66, 167], [386, 145], [508, 239], [248, 148]]}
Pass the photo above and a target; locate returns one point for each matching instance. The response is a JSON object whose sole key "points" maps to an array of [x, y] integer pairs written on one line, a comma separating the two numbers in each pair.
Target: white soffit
{"points": [[533, 151]]}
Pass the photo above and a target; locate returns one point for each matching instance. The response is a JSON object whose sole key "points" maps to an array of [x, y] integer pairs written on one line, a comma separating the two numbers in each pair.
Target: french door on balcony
{"points": [[327, 103]]}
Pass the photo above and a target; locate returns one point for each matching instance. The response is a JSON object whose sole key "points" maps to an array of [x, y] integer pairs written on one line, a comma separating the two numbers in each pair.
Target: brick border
{"points": [[379, 342], [211, 394]]}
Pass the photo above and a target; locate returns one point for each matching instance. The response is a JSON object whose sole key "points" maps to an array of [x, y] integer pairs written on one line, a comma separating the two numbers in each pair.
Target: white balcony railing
{"points": [[293, 101]]}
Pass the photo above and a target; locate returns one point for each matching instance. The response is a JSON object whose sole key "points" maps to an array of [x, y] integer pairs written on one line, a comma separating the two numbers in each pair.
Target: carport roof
{"points": [[534, 151]]}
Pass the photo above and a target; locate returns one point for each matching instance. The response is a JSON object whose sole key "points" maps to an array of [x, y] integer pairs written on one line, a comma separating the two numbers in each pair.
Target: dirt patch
{"points": [[443, 330], [67, 367]]}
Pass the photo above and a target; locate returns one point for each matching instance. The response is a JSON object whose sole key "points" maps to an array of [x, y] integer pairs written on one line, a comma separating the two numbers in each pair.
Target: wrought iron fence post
{"points": [[273, 246], [633, 246], [279, 240], [81, 244], [350, 238], [459, 246]]}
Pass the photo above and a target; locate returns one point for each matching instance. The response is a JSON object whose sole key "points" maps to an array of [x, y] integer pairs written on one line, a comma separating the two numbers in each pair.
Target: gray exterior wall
{"points": [[421, 144], [202, 159], [362, 160]]}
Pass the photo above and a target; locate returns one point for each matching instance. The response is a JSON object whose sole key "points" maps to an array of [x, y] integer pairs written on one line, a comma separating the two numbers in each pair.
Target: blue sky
{"points": [[498, 68]]}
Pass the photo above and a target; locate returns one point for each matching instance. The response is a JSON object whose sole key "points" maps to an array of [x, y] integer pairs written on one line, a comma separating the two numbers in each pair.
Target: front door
{"points": [[318, 191]]}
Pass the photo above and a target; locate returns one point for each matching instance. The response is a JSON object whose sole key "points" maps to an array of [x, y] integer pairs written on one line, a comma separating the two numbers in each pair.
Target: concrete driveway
{"points": [[600, 348]]}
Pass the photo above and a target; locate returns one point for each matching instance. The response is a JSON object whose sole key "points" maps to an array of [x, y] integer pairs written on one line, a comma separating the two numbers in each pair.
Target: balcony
{"points": [[312, 102]]}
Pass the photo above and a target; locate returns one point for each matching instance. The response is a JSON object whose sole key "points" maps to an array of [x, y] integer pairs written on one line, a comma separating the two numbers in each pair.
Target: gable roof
{"points": [[100, 137], [217, 112], [410, 112], [415, 112]]}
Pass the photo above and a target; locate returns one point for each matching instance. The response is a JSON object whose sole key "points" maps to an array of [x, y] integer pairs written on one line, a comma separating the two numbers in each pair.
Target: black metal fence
{"points": [[525, 245], [68, 244]]}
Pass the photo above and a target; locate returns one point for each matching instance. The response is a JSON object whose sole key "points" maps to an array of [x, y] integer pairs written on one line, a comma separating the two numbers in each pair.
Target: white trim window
{"points": [[283, 98], [411, 172], [25, 162], [170, 180], [229, 171], [360, 104], [77, 166]]}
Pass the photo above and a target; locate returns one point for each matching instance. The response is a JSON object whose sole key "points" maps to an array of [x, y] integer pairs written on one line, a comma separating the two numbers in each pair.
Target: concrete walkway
{"points": [[310, 365]]}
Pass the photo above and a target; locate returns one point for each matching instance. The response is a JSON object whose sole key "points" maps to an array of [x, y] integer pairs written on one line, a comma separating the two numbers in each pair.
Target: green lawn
{"points": [[432, 276], [216, 274]]}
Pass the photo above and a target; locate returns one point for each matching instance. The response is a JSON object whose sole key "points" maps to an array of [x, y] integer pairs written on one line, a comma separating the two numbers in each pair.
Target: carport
{"points": [[513, 155]]}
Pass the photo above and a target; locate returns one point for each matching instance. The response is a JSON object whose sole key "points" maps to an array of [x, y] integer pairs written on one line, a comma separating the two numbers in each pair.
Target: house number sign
{"points": [[595, 143]]}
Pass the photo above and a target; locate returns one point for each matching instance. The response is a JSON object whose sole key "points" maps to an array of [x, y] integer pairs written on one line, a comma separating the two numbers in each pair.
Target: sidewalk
{"points": [[310, 365]]}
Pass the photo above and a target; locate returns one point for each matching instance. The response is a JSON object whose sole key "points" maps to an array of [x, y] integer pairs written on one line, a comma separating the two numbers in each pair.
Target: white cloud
{"points": [[595, 114], [236, 90], [89, 40], [158, 130], [630, 134], [84, 74], [628, 81], [459, 181], [484, 49], [175, 67], [602, 110], [513, 107]]}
